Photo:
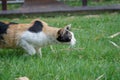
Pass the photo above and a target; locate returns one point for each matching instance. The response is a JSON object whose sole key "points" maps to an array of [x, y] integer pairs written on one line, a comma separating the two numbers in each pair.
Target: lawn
{"points": [[73, 3], [92, 58]]}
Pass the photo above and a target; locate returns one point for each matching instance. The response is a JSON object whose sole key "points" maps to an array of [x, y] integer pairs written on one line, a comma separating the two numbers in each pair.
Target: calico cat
{"points": [[31, 37]]}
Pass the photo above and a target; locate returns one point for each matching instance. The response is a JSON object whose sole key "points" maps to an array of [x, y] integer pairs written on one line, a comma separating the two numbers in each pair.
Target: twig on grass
{"points": [[66, 49], [114, 44], [114, 35], [100, 77]]}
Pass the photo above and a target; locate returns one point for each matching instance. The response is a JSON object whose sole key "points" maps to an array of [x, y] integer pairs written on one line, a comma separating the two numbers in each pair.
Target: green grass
{"points": [[91, 57], [12, 6], [73, 3], [93, 3]]}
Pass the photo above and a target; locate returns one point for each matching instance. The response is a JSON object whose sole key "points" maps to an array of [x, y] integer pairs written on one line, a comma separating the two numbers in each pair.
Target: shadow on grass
{"points": [[16, 54], [11, 52]]}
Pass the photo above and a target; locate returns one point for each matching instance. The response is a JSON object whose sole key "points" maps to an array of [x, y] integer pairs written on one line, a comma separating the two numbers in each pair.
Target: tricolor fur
{"points": [[31, 37]]}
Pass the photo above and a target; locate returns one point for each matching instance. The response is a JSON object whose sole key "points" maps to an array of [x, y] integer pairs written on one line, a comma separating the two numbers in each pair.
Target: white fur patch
{"points": [[32, 42], [36, 39], [73, 40]]}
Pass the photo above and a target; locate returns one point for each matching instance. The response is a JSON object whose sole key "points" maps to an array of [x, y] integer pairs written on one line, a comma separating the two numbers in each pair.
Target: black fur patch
{"points": [[1, 37], [3, 28], [66, 37], [36, 27]]}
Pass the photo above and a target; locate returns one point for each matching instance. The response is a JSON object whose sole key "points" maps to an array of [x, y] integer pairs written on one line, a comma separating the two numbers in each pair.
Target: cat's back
{"points": [[11, 32]]}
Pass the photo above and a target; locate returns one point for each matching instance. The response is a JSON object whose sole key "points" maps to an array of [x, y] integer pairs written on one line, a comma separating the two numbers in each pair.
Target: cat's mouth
{"points": [[72, 42]]}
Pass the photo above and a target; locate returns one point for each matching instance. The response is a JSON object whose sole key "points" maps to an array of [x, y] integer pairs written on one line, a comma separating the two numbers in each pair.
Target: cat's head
{"points": [[66, 36]]}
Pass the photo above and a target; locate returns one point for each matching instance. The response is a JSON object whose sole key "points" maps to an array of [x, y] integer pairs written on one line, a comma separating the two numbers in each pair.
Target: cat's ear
{"points": [[63, 30], [68, 27], [60, 32]]}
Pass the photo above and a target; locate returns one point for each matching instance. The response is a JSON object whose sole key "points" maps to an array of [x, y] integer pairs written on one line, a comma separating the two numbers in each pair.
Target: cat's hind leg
{"points": [[27, 47]]}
